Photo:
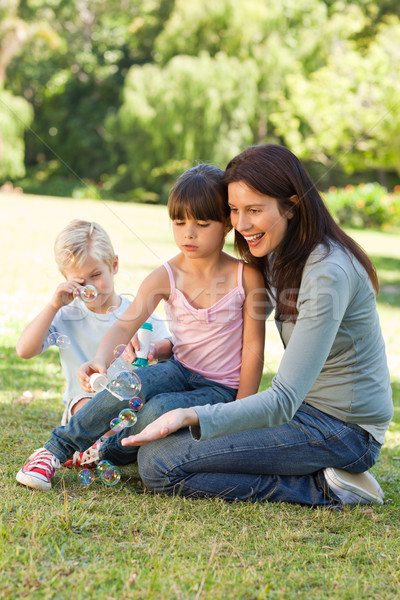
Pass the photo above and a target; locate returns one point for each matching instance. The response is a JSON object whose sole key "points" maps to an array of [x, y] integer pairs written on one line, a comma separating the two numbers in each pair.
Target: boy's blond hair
{"points": [[81, 239]]}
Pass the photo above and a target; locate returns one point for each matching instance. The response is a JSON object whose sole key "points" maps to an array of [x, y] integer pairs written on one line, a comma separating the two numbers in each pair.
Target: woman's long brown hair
{"points": [[273, 170]]}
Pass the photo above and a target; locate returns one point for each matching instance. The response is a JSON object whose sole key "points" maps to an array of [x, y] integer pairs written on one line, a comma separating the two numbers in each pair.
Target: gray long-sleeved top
{"points": [[334, 357]]}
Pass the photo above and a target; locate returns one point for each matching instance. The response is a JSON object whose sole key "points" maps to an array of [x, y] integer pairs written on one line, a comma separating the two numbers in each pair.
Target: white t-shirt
{"points": [[84, 329]]}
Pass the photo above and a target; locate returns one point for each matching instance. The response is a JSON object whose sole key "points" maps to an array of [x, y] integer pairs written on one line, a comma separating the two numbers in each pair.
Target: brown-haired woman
{"points": [[312, 436]]}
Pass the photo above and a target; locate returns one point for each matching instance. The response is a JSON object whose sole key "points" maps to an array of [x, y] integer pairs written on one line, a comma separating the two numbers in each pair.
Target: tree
{"points": [[193, 109], [348, 112]]}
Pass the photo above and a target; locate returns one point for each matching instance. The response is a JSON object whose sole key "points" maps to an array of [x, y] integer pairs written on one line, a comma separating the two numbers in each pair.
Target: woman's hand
{"points": [[163, 426], [87, 369]]}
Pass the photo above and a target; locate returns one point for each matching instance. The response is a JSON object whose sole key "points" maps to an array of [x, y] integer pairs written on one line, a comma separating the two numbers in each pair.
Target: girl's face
{"points": [[257, 218], [97, 273], [199, 239]]}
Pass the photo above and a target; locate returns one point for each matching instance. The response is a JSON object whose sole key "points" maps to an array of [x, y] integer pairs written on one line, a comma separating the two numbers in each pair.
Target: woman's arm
{"points": [[254, 312]]}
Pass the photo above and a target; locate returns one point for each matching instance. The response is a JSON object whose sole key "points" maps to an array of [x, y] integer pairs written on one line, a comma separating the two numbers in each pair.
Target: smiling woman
{"points": [[312, 436], [258, 218]]}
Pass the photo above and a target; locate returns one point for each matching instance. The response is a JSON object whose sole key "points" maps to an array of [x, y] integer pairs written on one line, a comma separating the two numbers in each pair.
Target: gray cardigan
{"points": [[334, 357]]}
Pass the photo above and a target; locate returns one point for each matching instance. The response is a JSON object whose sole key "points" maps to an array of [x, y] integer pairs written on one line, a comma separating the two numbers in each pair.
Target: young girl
{"points": [[216, 310]]}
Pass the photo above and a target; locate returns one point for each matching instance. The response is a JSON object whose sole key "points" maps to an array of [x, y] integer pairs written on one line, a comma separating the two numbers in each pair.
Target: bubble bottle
{"points": [[124, 385], [144, 337]]}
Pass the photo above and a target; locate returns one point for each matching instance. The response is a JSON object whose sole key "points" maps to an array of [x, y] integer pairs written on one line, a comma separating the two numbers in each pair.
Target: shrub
{"points": [[365, 205]]}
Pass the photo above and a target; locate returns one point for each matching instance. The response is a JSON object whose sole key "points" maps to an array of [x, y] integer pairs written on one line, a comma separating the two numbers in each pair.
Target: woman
{"points": [[312, 436]]}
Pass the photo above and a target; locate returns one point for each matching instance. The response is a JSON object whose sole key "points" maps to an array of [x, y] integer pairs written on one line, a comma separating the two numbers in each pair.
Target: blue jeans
{"points": [[165, 386], [281, 463]]}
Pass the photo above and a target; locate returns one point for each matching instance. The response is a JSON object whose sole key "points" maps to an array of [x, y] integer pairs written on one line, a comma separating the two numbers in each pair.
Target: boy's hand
{"points": [[64, 293], [87, 369]]}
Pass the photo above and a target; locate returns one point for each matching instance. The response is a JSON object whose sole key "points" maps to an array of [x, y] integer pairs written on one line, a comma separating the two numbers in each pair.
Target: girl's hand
{"points": [[161, 349], [163, 426], [87, 369], [64, 293], [129, 352]]}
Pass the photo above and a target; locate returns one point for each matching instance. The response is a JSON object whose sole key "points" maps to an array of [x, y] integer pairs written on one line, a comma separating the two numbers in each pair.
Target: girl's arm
{"points": [[154, 288], [254, 314]]}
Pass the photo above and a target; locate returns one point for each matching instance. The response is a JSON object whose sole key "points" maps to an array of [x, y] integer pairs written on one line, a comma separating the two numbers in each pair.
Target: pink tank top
{"points": [[208, 341]]}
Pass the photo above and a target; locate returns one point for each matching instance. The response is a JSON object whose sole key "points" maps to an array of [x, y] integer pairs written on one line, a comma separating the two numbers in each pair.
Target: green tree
{"points": [[76, 86], [193, 109], [348, 112]]}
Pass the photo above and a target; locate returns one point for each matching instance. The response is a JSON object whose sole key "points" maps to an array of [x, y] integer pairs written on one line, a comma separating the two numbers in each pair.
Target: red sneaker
{"points": [[88, 459], [39, 471]]}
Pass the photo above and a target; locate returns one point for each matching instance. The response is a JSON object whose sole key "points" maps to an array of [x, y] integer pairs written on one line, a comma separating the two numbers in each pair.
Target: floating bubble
{"points": [[65, 258], [86, 477], [102, 465], [136, 403], [116, 424], [87, 293], [127, 417], [111, 309], [119, 350], [58, 339], [125, 385], [110, 475]]}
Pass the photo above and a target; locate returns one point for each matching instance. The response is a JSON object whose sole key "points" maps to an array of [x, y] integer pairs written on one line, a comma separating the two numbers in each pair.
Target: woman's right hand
{"points": [[163, 426], [87, 369]]}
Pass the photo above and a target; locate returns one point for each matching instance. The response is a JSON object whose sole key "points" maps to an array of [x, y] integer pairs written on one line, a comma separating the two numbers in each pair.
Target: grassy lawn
{"points": [[123, 542]]}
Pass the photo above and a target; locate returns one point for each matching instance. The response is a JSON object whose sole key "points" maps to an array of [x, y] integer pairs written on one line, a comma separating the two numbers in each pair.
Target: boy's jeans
{"points": [[277, 464], [165, 386]]}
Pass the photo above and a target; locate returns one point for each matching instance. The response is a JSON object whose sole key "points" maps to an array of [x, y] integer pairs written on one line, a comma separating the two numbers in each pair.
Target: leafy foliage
{"points": [[366, 205], [127, 93]]}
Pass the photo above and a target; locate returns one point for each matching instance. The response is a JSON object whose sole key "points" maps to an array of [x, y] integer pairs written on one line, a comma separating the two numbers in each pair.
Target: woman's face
{"points": [[257, 218]]}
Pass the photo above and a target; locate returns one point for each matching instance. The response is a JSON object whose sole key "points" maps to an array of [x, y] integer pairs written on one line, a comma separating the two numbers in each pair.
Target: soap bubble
{"points": [[103, 464], [87, 293], [112, 309], [127, 417], [65, 258], [136, 403], [116, 424], [110, 475], [58, 339], [118, 350], [125, 385], [86, 477]]}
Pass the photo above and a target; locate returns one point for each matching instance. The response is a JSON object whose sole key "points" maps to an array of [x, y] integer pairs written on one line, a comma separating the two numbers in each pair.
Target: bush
{"points": [[365, 205]]}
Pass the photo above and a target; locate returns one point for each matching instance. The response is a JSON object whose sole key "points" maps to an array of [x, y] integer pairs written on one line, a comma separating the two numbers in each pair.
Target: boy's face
{"points": [[97, 273]]}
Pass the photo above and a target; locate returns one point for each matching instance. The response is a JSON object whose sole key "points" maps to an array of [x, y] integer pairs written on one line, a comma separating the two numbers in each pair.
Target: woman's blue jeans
{"points": [[277, 464], [165, 386]]}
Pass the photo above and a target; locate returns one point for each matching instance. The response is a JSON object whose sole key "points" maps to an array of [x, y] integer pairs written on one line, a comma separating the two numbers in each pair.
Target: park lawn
{"points": [[124, 542]]}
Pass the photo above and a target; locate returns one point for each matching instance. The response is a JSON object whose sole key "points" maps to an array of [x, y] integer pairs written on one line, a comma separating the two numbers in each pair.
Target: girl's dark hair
{"points": [[273, 170], [200, 193]]}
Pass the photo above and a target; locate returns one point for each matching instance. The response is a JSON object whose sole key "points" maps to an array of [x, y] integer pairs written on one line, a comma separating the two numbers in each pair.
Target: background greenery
{"points": [[123, 95], [124, 543]]}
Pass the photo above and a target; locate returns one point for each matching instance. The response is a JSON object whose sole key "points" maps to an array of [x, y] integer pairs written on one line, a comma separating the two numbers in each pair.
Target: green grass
{"points": [[123, 542]]}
